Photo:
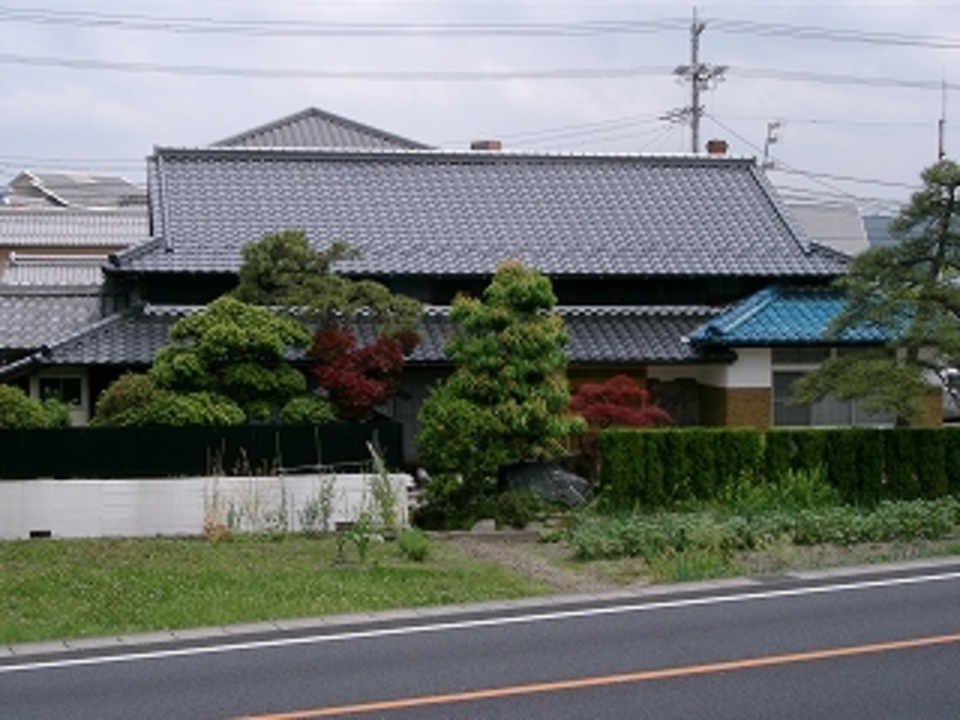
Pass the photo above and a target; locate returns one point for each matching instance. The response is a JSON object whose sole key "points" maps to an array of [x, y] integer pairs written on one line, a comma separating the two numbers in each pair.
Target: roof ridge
{"points": [[428, 154]]}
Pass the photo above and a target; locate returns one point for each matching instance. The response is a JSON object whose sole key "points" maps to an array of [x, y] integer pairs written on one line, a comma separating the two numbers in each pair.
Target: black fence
{"points": [[139, 452]]}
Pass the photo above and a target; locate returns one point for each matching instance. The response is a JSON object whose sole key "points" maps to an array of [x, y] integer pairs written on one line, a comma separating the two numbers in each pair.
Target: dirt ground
{"points": [[554, 564]]}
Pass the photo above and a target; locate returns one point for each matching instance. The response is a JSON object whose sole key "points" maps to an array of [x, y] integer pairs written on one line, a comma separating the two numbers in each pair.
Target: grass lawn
{"points": [[55, 589]]}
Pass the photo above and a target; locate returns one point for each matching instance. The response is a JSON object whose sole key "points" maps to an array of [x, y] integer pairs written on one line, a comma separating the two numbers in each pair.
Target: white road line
{"points": [[479, 623]]}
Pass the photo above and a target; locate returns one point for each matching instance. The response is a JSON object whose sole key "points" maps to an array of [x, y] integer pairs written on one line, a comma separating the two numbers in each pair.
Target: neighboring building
{"points": [[56, 232], [837, 225], [313, 128], [37, 189], [878, 230]]}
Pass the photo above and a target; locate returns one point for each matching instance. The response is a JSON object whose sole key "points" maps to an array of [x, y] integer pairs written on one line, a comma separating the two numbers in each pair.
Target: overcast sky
{"points": [[94, 85]]}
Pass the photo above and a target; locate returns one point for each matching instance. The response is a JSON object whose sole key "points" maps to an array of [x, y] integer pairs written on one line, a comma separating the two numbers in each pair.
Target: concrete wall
{"points": [[186, 506]]}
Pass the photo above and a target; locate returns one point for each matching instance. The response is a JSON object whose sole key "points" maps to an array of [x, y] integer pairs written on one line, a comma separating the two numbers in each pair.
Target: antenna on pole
{"points": [[942, 124], [773, 137], [700, 76]]}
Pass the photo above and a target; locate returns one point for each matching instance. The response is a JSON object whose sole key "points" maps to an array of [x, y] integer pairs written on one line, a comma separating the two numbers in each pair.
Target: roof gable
{"points": [[316, 129], [463, 213]]}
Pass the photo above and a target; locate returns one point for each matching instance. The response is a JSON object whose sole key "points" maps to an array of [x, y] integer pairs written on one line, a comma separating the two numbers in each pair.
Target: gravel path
{"points": [[540, 562]]}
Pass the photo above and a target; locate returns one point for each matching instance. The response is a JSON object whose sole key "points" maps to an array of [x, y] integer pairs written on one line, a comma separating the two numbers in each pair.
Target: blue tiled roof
{"points": [[598, 335], [463, 213], [783, 315]]}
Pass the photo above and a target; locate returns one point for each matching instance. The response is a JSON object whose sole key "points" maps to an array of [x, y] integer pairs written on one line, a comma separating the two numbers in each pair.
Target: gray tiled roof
{"points": [[317, 128], [73, 227], [457, 213], [29, 320], [69, 189], [598, 335]]}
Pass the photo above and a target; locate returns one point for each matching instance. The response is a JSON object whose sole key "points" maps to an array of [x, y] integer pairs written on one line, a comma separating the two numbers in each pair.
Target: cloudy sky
{"points": [[858, 88]]}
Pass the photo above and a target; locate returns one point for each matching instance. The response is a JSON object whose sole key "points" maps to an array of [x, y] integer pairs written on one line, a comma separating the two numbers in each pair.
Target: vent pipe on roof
{"points": [[716, 148], [491, 145]]}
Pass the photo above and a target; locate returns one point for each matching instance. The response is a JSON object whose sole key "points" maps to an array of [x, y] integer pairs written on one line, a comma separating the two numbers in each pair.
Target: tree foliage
{"points": [[507, 398], [910, 290], [135, 399], [283, 270], [236, 350], [225, 364]]}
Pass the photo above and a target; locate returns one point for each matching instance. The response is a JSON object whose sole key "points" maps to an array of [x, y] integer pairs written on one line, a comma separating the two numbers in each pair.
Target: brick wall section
{"points": [[933, 407], [736, 407]]}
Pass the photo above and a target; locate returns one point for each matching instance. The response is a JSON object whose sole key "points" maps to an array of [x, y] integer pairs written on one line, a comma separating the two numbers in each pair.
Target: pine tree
{"points": [[911, 291], [506, 401]]}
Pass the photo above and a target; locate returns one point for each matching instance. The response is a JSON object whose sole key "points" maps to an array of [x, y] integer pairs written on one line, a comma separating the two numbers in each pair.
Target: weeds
{"points": [[653, 537]]}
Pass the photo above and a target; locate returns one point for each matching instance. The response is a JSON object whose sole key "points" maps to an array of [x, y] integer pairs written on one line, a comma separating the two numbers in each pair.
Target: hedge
{"points": [[657, 468]]}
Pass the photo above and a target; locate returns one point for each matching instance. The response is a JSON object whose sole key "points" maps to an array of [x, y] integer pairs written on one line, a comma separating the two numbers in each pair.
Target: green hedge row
{"points": [[655, 468]]}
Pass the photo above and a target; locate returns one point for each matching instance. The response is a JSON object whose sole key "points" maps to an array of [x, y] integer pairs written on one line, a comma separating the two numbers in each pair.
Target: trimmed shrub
{"points": [[18, 410], [309, 410]]}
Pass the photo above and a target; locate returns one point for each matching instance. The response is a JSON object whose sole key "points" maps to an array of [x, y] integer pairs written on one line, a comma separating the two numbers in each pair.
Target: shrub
{"points": [[17, 410], [129, 391], [516, 508], [57, 413], [414, 544], [309, 410], [169, 408]]}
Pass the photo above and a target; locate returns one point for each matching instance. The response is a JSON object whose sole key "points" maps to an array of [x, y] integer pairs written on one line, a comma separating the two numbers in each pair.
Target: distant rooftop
{"points": [[318, 129], [837, 225], [33, 188], [50, 227]]}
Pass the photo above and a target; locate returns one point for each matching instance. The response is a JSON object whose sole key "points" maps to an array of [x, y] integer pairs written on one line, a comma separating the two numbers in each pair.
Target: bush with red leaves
{"points": [[618, 402], [357, 379]]}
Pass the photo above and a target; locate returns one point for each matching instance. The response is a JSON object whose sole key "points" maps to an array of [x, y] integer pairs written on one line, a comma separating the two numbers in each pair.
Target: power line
{"points": [[800, 32], [303, 28], [299, 28], [830, 79], [307, 74]]}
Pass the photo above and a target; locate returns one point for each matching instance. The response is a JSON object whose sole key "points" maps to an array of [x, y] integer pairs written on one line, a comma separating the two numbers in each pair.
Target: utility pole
{"points": [[700, 76]]}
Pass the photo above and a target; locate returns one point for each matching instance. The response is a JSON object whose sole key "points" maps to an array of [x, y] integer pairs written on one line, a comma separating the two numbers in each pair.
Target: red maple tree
{"points": [[357, 379], [618, 402]]}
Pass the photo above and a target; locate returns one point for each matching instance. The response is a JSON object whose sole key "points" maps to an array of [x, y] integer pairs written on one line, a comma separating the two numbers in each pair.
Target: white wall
{"points": [[184, 506]]}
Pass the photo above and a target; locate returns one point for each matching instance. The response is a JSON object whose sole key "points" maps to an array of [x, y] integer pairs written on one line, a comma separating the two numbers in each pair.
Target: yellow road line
{"points": [[606, 680]]}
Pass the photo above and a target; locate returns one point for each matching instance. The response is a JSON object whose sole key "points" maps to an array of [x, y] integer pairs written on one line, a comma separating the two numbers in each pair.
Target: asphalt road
{"points": [[868, 645]]}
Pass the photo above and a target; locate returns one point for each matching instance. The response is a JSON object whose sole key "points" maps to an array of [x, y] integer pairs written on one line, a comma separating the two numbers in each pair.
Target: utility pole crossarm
{"points": [[700, 75]]}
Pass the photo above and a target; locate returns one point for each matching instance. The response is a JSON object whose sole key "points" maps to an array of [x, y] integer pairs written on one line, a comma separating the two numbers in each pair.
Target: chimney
{"points": [[491, 145], [716, 148]]}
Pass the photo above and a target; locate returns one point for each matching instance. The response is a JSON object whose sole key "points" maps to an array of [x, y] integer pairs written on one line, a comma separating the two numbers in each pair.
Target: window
{"points": [[64, 389], [792, 363]]}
